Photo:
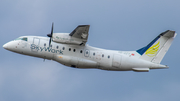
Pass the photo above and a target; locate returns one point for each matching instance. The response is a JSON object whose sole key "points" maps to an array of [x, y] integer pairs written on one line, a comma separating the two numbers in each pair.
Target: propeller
{"points": [[51, 34]]}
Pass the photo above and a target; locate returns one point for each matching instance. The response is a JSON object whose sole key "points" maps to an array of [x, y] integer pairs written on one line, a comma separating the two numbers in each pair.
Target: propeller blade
{"points": [[49, 41], [52, 29], [51, 34]]}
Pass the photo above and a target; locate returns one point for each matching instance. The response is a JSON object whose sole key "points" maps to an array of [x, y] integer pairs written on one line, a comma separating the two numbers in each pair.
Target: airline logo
{"points": [[48, 49], [152, 51]]}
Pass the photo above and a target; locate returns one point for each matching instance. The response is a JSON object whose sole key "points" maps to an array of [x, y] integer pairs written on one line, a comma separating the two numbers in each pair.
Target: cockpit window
{"points": [[18, 39], [25, 39]]}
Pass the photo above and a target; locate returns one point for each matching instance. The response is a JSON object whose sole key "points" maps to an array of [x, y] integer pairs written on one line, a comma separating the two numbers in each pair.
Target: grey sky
{"points": [[115, 24]]}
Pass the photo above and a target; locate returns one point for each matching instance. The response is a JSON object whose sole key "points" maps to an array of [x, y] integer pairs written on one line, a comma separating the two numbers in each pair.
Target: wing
{"points": [[81, 32]]}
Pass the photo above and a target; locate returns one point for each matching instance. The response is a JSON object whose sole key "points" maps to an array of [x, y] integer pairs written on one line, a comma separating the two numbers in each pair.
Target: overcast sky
{"points": [[114, 24]]}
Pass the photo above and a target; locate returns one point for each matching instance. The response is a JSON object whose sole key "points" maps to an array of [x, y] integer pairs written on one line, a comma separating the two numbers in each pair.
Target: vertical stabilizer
{"points": [[156, 50]]}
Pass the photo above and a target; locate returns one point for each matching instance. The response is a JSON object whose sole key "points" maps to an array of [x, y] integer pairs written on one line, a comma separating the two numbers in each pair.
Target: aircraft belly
{"points": [[75, 61], [87, 64], [130, 63]]}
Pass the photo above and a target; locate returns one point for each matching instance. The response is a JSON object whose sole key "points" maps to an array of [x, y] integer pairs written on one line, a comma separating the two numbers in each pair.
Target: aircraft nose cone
{"points": [[5, 46]]}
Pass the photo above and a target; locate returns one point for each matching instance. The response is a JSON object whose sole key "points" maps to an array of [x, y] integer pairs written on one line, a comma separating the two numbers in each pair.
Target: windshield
{"points": [[24, 38]]}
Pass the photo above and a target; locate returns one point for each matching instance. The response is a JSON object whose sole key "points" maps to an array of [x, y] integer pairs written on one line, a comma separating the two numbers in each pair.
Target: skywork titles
{"points": [[48, 49]]}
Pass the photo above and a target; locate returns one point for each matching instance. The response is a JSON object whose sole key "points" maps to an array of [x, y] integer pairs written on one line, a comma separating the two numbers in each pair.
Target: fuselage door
{"points": [[36, 42], [116, 61]]}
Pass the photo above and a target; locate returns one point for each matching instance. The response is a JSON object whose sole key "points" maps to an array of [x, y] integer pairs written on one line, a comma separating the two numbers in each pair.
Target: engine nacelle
{"points": [[65, 38]]}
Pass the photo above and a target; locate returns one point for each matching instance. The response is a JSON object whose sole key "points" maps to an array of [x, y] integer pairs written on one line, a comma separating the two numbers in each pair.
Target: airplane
{"points": [[70, 49]]}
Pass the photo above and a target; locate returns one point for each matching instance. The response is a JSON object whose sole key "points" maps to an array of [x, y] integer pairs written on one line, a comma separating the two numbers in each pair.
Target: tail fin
{"points": [[156, 50]]}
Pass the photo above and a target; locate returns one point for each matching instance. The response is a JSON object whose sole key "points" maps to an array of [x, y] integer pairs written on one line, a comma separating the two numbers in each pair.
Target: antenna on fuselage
{"points": [[51, 34]]}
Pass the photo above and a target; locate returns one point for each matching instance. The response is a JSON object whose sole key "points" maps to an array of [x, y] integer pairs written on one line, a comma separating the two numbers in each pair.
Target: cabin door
{"points": [[36, 42], [116, 62]]}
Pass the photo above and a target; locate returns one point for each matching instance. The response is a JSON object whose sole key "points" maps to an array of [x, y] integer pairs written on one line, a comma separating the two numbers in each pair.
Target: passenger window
{"points": [[108, 56], [93, 53], [86, 52], [57, 47], [69, 49], [63, 48], [81, 51], [103, 55], [74, 50], [44, 44]]}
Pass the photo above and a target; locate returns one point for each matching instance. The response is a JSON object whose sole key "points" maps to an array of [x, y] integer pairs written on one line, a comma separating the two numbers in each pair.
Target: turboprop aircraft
{"points": [[70, 49]]}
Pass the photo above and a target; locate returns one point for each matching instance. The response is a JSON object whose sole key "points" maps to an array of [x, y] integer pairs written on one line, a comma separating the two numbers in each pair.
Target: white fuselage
{"points": [[80, 56]]}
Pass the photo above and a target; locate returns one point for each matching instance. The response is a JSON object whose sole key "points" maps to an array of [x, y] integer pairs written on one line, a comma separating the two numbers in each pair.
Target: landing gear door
{"points": [[116, 62], [36, 42]]}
